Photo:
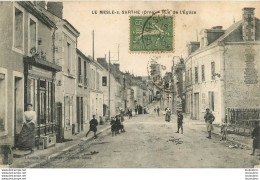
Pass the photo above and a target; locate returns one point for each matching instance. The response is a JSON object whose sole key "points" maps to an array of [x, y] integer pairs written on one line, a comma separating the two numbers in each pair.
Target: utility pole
{"points": [[93, 45], [109, 85], [118, 52]]}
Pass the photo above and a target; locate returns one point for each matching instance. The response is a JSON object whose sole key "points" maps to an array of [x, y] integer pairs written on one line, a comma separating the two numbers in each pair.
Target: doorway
{"points": [[18, 105]]}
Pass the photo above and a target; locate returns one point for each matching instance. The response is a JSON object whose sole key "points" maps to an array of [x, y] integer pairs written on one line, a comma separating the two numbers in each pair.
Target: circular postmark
{"points": [[159, 77]]}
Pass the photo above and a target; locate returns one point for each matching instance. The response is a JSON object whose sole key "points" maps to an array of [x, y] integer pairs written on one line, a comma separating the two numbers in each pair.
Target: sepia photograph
{"points": [[129, 84]]}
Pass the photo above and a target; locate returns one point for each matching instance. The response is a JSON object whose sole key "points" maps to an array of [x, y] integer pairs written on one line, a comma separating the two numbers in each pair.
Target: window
{"points": [[97, 80], [79, 71], [203, 101], [213, 70], [202, 73], [68, 110], [85, 73], [3, 110], [196, 75], [190, 76], [68, 56], [18, 36], [211, 100], [32, 37], [104, 81], [94, 80]]}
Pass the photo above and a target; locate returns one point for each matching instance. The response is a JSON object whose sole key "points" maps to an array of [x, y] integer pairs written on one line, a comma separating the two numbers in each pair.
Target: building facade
{"points": [[27, 69], [222, 72], [83, 93], [96, 94], [65, 55]]}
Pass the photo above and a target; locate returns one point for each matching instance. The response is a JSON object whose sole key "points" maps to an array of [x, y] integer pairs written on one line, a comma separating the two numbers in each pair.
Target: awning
{"points": [[40, 62]]}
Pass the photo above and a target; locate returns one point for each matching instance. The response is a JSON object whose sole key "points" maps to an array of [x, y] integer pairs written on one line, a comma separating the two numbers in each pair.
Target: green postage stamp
{"points": [[151, 34]]}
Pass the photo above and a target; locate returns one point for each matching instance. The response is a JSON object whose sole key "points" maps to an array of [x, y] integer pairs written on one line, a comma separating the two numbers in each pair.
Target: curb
{"points": [[38, 165]]}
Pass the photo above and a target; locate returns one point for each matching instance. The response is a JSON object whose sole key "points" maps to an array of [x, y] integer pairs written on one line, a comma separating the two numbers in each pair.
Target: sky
{"points": [[112, 30]]}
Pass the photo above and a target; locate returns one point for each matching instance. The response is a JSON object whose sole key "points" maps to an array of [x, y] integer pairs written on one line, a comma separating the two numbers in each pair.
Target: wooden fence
{"points": [[238, 115]]}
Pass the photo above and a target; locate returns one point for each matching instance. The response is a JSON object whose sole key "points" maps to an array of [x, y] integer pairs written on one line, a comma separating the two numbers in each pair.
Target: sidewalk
{"points": [[236, 141], [39, 157]]}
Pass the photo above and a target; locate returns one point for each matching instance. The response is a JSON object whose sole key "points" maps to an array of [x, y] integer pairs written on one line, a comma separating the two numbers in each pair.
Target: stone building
{"points": [[27, 69], [96, 99], [178, 72], [112, 84], [222, 70], [65, 55], [82, 91]]}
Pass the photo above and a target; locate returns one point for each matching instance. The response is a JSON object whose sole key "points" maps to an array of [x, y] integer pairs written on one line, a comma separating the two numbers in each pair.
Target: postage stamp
{"points": [[150, 34]]}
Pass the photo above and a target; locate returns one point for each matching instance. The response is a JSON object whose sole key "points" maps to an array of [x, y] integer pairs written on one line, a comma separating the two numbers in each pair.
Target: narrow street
{"points": [[150, 142]]}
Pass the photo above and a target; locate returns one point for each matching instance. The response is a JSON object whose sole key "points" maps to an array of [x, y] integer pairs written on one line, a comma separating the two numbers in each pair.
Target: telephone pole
{"points": [[109, 85], [93, 45]]}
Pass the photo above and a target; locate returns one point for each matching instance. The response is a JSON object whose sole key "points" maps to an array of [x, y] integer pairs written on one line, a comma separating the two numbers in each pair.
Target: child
{"points": [[180, 121], [93, 123], [113, 126], [223, 131]]}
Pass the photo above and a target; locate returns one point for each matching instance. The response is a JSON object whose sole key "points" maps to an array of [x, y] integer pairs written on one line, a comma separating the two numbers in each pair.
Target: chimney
{"points": [[193, 46], [55, 8], [117, 66], [248, 25], [208, 36], [103, 62]]}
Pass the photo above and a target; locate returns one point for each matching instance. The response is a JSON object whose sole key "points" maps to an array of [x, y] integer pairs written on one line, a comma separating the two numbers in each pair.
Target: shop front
{"points": [[39, 90]]}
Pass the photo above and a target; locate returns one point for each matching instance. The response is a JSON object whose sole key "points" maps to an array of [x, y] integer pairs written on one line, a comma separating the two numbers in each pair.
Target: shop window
{"points": [[18, 29]]}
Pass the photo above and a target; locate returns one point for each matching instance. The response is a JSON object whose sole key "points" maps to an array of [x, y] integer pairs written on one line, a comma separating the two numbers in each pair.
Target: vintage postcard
{"points": [[95, 84]]}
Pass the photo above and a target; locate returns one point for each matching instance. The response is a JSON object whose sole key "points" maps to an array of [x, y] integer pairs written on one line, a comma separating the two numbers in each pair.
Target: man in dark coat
{"points": [[93, 123], [209, 118], [256, 137], [180, 121]]}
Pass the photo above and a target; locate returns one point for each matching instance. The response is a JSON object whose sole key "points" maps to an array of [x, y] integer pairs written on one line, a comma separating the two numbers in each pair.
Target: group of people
{"points": [[117, 125], [26, 138]]}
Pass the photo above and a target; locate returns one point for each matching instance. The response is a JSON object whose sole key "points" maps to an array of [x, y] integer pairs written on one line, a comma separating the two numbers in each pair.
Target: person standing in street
{"points": [[168, 115], [180, 121], [93, 123], [256, 137], [209, 118], [158, 111]]}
